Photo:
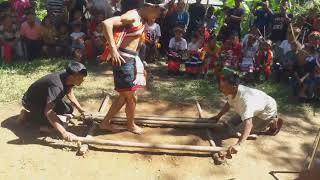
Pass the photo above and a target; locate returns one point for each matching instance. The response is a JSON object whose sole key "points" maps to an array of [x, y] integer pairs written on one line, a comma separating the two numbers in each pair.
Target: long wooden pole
{"points": [[98, 116], [148, 145], [215, 155]]}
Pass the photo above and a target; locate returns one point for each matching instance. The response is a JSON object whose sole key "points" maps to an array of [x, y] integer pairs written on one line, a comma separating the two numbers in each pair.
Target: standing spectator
{"points": [[77, 5], [101, 6], [197, 12], [56, 11], [63, 40], [264, 17], [20, 6], [181, 16], [31, 32], [49, 37], [77, 46], [280, 24], [10, 40], [234, 18], [210, 19], [150, 48]]}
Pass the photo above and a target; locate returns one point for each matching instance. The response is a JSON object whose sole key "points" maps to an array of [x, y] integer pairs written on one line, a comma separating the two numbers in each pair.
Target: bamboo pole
{"points": [[309, 163], [148, 145], [99, 116], [215, 156], [166, 123], [84, 148]]}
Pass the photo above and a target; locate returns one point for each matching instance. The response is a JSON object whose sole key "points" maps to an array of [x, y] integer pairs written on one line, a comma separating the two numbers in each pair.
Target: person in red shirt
{"points": [[232, 49], [264, 59]]}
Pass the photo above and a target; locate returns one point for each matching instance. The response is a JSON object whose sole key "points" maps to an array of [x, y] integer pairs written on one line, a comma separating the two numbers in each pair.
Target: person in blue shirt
{"points": [[181, 16], [263, 17]]}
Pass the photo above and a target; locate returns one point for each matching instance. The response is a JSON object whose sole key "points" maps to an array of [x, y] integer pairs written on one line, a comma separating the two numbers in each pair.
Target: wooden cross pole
{"points": [[215, 155]]}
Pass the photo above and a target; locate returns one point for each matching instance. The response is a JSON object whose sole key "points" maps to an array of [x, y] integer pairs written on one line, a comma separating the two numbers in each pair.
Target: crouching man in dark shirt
{"points": [[43, 102]]}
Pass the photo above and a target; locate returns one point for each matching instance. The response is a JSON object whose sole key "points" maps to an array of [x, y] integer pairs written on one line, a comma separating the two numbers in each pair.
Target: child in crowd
{"points": [[99, 39], [10, 40], [249, 51], [315, 84], [194, 63], [50, 37], [286, 44], [232, 50], [210, 19], [302, 70], [63, 40], [264, 60], [95, 21], [210, 54], [152, 33], [77, 46], [290, 59], [178, 46]]}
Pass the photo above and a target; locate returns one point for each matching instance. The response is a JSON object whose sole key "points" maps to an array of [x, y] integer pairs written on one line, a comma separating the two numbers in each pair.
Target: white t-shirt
{"points": [[285, 46], [194, 46], [249, 103], [178, 45], [76, 35], [152, 32]]}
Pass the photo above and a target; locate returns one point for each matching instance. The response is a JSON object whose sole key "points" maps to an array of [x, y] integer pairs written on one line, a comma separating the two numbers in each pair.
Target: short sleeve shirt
{"points": [[48, 88], [178, 45], [152, 32], [249, 103]]}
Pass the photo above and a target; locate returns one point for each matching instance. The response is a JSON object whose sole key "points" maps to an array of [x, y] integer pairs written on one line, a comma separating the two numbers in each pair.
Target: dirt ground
{"points": [[27, 155]]}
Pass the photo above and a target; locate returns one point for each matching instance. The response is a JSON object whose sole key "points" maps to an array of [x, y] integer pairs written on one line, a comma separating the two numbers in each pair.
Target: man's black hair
{"points": [[232, 78], [76, 67], [127, 5]]}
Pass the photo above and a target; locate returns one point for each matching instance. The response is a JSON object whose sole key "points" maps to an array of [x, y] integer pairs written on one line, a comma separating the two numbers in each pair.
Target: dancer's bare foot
{"points": [[135, 129], [22, 118], [110, 127]]}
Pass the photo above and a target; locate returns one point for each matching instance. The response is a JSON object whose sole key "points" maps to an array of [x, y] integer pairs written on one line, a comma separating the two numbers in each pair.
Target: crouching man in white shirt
{"points": [[251, 105]]}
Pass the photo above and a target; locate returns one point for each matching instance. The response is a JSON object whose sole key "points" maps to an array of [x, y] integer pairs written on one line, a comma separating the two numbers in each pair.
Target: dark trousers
{"points": [[33, 48], [37, 116]]}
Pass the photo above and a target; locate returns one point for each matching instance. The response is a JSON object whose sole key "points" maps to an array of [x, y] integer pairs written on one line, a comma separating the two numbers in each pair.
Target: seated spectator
{"points": [[31, 33], [204, 34], [254, 31], [286, 44], [210, 55], [77, 46], [264, 60], [290, 59], [232, 50], [313, 43], [10, 40], [50, 37], [63, 40], [315, 82], [303, 69], [178, 43], [264, 17], [194, 62], [249, 51], [99, 39], [96, 19], [178, 46], [195, 44], [152, 33]]}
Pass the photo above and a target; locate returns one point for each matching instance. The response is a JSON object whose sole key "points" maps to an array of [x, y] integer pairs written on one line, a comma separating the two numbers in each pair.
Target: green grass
{"points": [[16, 78]]}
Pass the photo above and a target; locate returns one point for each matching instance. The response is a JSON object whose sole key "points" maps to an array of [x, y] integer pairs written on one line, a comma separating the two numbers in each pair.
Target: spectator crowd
{"points": [[186, 36]]}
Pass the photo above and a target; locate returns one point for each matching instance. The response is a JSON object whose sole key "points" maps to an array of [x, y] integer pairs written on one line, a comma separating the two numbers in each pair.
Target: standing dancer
{"points": [[124, 35]]}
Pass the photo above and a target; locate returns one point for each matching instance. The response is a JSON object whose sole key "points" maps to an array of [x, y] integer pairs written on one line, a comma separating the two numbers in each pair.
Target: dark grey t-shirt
{"points": [[51, 87]]}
